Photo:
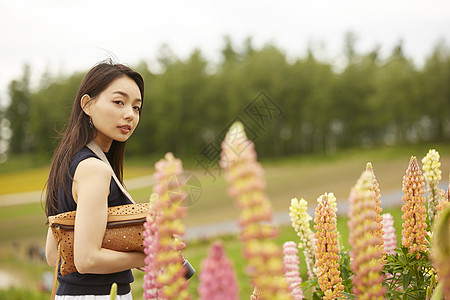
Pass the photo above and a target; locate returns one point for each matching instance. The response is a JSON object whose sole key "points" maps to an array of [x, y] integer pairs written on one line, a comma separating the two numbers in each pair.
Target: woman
{"points": [[106, 110]]}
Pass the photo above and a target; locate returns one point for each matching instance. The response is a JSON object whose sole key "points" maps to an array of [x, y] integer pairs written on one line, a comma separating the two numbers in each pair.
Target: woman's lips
{"points": [[124, 128]]}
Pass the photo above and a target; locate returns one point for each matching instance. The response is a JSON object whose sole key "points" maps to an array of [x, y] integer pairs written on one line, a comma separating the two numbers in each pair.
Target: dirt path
{"points": [[7, 280], [392, 199]]}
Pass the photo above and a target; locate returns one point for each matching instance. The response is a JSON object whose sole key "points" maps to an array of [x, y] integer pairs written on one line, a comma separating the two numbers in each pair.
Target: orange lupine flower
{"points": [[327, 250], [414, 212]]}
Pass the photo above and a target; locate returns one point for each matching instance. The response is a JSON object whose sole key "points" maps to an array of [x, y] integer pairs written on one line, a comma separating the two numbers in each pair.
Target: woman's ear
{"points": [[85, 103]]}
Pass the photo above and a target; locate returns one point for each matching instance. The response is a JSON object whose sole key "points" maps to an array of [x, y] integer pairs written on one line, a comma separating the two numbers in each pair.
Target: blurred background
{"points": [[321, 86]]}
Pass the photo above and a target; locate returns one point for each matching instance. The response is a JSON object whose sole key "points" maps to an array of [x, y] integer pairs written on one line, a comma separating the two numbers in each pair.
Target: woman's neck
{"points": [[105, 145]]}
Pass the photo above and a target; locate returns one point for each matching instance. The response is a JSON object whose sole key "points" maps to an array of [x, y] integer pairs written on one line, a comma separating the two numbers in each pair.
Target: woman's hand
{"points": [[51, 249]]}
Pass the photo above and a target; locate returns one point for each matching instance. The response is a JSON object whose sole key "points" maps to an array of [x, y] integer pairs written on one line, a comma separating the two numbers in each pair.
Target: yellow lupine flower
{"points": [[432, 175]]}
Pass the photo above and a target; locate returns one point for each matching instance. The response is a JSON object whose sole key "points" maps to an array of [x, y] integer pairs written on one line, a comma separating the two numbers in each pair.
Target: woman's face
{"points": [[115, 112]]}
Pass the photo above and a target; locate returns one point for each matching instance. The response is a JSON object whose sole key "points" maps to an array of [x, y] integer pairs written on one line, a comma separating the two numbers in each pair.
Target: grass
{"points": [[30, 180], [307, 177]]}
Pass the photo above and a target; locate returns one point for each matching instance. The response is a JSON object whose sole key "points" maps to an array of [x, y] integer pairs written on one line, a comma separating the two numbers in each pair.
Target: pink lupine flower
{"points": [[247, 185], [291, 269], [432, 175], [414, 212], [217, 279], [378, 209], [389, 237], [152, 289], [366, 254], [170, 195], [440, 252], [300, 222], [327, 250]]}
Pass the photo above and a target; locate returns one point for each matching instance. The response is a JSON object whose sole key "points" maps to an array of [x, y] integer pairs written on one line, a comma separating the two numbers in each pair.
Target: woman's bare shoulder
{"points": [[92, 167]]}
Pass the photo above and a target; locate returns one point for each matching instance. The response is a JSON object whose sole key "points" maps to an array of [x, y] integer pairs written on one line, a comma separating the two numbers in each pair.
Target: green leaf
{"points": [[438, 292], [406, 280]]}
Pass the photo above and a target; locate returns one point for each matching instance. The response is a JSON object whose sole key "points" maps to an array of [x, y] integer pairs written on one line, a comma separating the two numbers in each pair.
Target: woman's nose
{"points": [[129, 113]]}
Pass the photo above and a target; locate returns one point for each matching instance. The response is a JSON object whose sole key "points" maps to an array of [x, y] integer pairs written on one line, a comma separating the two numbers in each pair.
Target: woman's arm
{"points": [[90, 190], [50, 248]]}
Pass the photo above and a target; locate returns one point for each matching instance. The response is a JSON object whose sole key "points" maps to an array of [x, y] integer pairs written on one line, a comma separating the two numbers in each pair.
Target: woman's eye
{"points": [[137, 108], [118, 102]]}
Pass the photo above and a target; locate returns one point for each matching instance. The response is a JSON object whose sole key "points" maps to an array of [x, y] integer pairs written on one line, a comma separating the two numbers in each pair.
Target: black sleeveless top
{"points": [[91, 284]]}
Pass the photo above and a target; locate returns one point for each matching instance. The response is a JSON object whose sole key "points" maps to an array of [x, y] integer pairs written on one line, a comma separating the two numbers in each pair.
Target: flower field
{"points": [[371, 266], [285, 181]]}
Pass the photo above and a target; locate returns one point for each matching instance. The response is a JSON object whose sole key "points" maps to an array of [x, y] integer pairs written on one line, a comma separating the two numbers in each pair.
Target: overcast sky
{"points": [[67, 35]]}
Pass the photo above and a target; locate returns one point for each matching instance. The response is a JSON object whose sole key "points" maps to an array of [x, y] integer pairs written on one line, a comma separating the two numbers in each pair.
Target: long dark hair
{"points": [[79, 133]]}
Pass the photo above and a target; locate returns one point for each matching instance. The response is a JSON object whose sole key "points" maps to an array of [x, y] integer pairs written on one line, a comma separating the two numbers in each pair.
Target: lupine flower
{"points": [[113, 292], [246, 178], [440, 250], [414, 212], [291, 269], [255, 295], [378, 209], [170, 195], [444, 199], [389, 237], [152, 289], [327, 249], [300, 222], [432, 175], [366, 254], [217, 279]]}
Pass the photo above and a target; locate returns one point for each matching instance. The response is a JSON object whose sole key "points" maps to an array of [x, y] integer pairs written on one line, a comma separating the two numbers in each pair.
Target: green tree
{"points": [[435, 93], [18, 113], [50, 110], [308, 104], [396, 98], [177, 101]]}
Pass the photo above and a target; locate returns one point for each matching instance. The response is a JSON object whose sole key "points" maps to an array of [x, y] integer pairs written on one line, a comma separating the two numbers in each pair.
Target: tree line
{"points": [[289, 107]]}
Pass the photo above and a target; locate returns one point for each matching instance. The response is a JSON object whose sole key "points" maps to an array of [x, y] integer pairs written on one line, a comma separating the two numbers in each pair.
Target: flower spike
{"points": [[247, 185], [291, 269], [163, 226], [367, 253], [327, 257], [432, 175], [217, 279], [414, 212], [300, 222]]}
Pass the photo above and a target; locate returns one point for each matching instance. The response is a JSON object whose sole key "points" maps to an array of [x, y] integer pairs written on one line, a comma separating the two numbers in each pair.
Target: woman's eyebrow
{"points": [[122, 93], [126, 95]]}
